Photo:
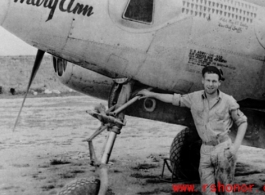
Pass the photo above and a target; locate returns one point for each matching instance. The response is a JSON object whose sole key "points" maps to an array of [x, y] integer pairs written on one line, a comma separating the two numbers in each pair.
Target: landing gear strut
{"points": [[112, 120]]}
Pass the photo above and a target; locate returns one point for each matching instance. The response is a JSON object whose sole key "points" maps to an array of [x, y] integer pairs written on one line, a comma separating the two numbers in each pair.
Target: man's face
{"points": [[211, 83]]}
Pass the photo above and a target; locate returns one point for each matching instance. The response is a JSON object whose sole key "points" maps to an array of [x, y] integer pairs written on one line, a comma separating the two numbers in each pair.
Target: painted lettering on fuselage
{"points": [[201, 58], [236, 26], [70, 7]]}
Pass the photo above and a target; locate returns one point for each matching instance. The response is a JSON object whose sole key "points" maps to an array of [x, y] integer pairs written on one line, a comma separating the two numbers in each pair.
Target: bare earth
{"points": [[46, 151]]}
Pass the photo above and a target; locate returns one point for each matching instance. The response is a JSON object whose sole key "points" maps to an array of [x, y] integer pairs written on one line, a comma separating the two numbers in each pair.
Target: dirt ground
{"points": [[46, 151]]}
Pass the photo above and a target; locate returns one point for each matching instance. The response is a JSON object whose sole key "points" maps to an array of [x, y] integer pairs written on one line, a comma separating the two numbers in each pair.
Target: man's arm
{"points": [[241, 121], [167, 98], [175, 99], [239, 137]]}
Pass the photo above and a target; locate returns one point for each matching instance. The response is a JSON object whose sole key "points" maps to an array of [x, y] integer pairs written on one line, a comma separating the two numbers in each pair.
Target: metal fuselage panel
{"points": [[168, 54]]}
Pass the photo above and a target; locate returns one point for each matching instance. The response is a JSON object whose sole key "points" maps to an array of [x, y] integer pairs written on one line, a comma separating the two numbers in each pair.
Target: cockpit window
{"points": [[139, 11]]}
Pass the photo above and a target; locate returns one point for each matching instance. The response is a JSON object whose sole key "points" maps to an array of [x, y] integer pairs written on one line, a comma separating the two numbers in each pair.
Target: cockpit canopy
{"points": [[144, 14], [139, 11]]}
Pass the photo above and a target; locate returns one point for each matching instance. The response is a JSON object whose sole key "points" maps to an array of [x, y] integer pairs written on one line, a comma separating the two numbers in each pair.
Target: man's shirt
{"points": [[211, 121]]}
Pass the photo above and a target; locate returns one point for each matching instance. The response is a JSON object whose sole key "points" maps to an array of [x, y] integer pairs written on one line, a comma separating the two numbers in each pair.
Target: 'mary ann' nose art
{"points": [[71, 7]]}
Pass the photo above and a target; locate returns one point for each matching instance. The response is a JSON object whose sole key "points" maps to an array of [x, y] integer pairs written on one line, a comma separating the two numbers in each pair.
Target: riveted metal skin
{"points": [[167, 54]]}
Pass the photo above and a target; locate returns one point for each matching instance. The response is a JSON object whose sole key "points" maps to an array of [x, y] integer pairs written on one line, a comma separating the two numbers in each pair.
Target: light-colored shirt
{"points": [[211, 121]]}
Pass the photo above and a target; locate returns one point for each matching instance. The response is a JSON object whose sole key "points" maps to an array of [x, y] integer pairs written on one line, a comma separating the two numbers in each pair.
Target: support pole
{"points": [[108, 148], [114, 130]]}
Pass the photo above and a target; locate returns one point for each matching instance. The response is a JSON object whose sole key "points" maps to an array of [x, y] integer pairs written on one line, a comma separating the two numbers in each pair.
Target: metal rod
{"points": [[104, 180], [108, 148], [96, 133], [121, 108], [131, 101], [93, 157]]}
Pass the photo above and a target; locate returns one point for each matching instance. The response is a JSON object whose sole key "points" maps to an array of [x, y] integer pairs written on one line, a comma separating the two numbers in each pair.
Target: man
{"points": [[213, 112]]}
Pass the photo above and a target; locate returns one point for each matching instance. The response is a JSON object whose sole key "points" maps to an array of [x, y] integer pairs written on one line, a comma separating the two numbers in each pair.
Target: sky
{"points": [[10, 45]]}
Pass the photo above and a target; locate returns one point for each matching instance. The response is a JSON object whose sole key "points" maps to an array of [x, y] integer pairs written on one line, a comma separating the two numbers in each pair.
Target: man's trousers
{"points": [[217, 168]]}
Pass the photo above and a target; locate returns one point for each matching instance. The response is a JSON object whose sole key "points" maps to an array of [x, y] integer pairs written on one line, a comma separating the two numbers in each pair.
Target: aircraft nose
{"points": [[4, 4]]}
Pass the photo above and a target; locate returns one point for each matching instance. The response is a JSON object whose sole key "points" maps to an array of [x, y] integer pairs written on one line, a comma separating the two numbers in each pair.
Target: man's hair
{"points": [[213, 69]]}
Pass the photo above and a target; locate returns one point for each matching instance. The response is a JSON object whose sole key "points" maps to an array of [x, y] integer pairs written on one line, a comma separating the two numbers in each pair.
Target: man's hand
{"points": [[239, 137], [145, 93], [233, 149]]}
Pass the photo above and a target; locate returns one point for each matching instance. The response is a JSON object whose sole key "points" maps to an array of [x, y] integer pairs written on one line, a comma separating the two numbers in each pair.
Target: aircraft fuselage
{"points": [[166, 51]]}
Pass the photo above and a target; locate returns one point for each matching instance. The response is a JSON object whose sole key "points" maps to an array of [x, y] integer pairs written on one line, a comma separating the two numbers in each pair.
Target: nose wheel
{"points": [[89, 186]]}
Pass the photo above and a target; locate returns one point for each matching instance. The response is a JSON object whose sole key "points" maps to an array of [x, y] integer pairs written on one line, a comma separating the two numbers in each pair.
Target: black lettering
{"points": [[39, 2], [52, 3], [79, 8], [70, 6], [31, 2], [21, 1], [90, 11], [61, 6], [86, 10], [52, 6], [46, 3]]}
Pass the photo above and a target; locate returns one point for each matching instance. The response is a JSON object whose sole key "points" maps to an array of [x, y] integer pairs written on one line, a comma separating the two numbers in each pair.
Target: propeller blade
{"points": [[35, 68]]}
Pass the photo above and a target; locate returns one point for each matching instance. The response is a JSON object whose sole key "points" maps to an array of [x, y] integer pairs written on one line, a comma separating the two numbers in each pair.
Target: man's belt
{"points": [[217, 141]]}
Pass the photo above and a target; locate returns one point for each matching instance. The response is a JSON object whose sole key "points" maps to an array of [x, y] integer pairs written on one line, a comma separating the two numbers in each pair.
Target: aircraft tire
{"points": [[88, 186], [185, 155]]}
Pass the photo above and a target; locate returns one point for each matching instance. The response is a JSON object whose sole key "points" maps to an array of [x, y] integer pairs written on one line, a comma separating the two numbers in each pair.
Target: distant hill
{"points": [[15, 72]]}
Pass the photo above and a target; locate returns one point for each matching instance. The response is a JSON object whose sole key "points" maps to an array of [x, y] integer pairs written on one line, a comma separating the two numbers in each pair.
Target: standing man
{"points": [[214, 113]]}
